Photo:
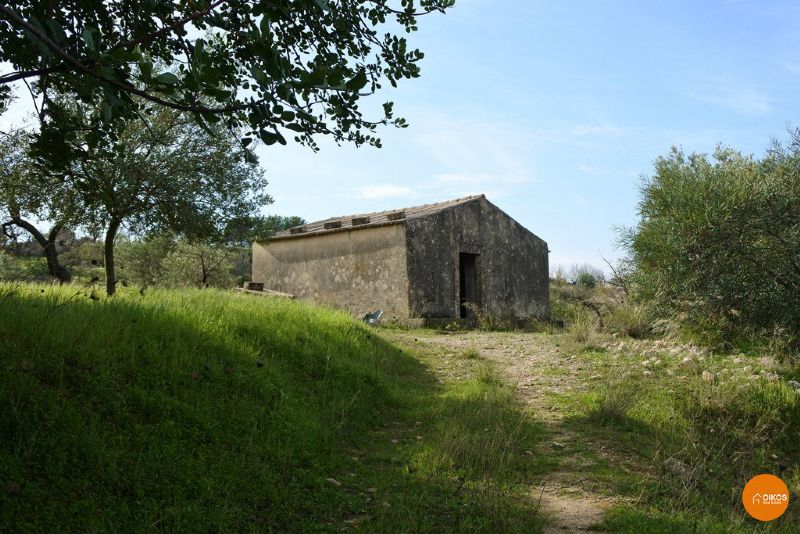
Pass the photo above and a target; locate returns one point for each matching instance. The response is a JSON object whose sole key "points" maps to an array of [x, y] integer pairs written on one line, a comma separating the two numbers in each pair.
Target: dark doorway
{"points": [[468, 284]]}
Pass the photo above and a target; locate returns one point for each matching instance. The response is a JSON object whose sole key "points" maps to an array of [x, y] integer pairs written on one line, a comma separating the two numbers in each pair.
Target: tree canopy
{"points": [[163, 174], [241, 231], [299, 66], [28, 195], [719, 239]]}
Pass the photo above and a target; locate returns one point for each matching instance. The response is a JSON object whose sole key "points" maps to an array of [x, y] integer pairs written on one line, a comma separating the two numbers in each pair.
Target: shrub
{"points": [[8, 267], [198, 265], [614, 400], [142, 261], [471, 354], [586, 280], [720, 238]]}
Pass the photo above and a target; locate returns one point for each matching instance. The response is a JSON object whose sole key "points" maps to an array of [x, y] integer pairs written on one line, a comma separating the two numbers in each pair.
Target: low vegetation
{"points": [[697, 426], [196, 409], [698, 406], [717, 243]]}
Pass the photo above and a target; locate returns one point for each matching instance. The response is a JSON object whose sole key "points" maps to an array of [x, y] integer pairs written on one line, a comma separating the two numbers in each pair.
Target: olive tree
{"points": [[167, 175], [720, 237], [28, 195]]}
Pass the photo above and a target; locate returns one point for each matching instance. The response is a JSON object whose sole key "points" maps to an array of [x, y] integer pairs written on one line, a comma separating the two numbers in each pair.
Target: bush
{"points": [[614, 400], [22, 268], [198, 265], [164, 261], [141, 262], [720, 238], [8, 267], [586, 280]]}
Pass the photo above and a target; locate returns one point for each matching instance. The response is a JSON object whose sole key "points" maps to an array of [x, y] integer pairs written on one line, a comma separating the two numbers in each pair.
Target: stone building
{"points": [[423, 262]]}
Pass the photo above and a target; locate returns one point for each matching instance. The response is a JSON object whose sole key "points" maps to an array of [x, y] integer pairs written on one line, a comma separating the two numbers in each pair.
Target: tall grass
{"points": [[200, 410], [584, 329], [630, 319], [614, 400]]}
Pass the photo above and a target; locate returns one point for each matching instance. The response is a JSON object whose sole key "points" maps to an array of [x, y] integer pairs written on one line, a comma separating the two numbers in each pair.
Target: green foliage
{"points": [[691, 435], [167, 174], [279, 67], [205, 408], [721, 434], [586, 280], [163, 174], [242, 231], [562, 306], [614, 400], [720, 238], [471, 354], [198, 264], [141, 261], [583, 328], [586, 272], [163, 261], [13, 268], [82, 253]]}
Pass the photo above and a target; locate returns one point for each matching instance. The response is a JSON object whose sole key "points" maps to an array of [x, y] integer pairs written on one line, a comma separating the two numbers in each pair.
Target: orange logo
{"points": [[765, 497]]}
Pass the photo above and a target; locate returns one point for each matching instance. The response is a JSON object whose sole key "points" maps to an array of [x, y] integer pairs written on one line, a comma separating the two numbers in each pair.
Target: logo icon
{"points": [[765, 497]]}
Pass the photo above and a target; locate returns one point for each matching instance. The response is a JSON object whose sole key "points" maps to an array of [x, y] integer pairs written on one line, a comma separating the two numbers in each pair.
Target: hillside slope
{"points": [[208, 411]]}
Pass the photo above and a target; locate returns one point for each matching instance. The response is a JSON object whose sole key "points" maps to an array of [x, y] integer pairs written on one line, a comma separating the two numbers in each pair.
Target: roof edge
{"points": [[330, 231]]}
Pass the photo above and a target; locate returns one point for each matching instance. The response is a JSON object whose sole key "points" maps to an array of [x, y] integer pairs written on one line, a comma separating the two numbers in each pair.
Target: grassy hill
{"points": [[208, 411]]}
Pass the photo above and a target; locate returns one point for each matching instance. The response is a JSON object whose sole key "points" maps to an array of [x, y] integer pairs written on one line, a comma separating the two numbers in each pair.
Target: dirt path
{"points": [[570, 498]]}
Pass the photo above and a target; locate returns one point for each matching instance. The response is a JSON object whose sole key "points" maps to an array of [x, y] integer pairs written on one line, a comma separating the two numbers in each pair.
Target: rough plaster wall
{"points": [[432, 269], [512, 265], [358, 271]]}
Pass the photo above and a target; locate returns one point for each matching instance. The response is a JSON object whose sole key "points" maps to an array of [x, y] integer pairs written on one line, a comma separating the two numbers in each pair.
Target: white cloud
{"points": [[581, 130], [588, 169], [476, 178], [792, 67], [374, 192], [738, 97]]}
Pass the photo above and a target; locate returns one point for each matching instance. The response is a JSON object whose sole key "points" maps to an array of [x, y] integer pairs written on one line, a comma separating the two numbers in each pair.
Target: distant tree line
{"points": [[160, 259]]}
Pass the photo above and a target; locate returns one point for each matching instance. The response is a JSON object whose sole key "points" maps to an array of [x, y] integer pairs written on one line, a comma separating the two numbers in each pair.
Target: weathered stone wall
{"points": [[358, 271], [512, 265]]}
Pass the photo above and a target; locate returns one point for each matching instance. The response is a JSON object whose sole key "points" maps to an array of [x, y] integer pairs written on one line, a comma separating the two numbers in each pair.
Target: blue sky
{"points": [[556, 109]]}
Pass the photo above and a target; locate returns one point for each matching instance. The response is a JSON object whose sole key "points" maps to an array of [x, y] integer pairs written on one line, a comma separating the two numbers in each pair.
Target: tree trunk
{"points": [[48, 245], [108, 252]]}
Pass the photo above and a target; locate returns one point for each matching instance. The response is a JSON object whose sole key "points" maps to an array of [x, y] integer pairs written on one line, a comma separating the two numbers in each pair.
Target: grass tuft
{"points": [[633, 320], [614, 400]]}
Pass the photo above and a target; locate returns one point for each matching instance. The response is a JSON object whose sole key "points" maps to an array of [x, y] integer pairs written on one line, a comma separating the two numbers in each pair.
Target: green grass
{"points": [[207, 411], [692, 443]]}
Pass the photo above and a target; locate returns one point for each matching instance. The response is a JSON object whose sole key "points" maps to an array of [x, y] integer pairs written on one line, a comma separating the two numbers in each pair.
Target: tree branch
{"points": [[21, 75], [76, 64], [167, 29]]}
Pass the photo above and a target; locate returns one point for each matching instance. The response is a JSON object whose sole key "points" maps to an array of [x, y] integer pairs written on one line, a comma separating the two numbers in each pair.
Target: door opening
{"points": [[468, 284]]}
